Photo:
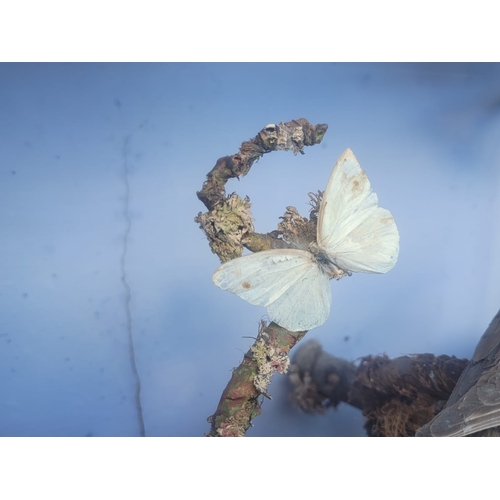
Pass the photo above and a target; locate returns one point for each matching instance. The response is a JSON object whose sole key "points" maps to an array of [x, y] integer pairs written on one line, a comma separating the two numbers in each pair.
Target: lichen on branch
{"points": [[239, 403]]}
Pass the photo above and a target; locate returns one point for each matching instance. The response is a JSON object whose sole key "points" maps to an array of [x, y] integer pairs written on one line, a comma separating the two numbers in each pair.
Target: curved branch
{"points": [[228, 223], [294, 136], [228, 227]]}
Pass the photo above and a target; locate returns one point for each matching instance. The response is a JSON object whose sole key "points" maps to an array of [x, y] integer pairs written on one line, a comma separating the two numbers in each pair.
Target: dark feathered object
{"points": [[473, 408]]}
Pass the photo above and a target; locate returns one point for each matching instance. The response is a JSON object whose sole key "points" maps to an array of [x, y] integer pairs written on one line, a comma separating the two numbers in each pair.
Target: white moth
{"points": [[353, 234]]}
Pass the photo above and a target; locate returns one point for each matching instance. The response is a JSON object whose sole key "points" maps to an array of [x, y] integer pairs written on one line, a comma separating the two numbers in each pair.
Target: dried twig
{"points": [[239, 402], [228, 227], [422, 394], [396, 396], [228, 222]]}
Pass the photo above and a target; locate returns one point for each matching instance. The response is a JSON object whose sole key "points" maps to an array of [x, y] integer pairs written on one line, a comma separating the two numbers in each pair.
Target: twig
{"points": [[228, 227], [239, 403], [397, 396]]}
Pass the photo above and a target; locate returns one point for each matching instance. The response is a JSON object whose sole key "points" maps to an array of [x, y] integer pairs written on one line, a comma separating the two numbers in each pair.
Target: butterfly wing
{"points": [[353, 230], [306, 304], [288, 282], [262, 277]]}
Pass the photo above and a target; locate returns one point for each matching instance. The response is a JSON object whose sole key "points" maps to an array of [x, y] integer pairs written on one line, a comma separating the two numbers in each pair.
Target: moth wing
{"points": [[289, 283], [353, 230], [306, 304], [263, 277]]}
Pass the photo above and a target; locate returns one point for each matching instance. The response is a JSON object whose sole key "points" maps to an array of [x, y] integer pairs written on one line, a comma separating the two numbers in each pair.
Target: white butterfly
{"points": [[353, 234]]}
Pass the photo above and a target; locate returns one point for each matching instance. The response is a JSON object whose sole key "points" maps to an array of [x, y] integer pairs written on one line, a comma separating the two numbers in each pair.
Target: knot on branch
{"points": [[226, 225]]}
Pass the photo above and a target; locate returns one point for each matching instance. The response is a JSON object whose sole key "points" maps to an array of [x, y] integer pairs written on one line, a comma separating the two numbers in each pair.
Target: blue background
{"points": [[426, 134]]}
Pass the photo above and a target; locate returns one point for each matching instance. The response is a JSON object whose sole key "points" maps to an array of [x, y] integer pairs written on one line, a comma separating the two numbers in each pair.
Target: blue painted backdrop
{"points": [[426, 134]]}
